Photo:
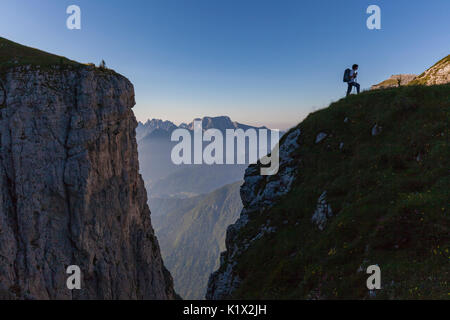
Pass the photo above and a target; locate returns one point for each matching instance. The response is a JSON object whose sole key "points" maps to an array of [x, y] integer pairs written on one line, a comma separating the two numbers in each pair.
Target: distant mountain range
{"points": [[191, 205], [155, 146], [191, 234], [163, 126], [144, 129], [195, 179]]}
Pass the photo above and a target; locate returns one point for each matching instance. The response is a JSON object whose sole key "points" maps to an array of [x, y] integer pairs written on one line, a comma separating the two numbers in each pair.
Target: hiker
{"points": [[350, 78]]}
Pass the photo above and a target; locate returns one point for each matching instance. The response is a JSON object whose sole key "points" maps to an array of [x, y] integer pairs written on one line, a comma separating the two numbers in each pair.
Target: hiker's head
{"points": [[355, 67]]}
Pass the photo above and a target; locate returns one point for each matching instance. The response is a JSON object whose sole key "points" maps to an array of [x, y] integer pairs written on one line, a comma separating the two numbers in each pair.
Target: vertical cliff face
{"points": [[71, 193]]}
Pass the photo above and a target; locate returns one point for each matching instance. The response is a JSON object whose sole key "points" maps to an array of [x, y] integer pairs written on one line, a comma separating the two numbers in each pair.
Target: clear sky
{"points": [[257, 61]]}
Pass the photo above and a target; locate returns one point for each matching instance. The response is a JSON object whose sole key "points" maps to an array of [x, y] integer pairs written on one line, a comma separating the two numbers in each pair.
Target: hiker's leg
{"points": [[349, 89], [357, 86]]}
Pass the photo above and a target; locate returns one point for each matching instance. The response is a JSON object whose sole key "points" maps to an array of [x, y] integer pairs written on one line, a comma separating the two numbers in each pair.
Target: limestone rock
{"points": [[323, 211], [320, 137], [71, 192], [439, 73], [376, 130]]}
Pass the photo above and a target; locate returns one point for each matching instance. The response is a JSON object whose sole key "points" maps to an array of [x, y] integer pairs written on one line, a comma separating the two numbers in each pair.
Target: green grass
{"points": [[389, 209], [13, 54]]}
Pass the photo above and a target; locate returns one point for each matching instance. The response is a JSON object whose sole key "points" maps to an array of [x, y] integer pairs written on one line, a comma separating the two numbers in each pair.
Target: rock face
{"points": [[71, 192], [323, 211], [439, 73]]}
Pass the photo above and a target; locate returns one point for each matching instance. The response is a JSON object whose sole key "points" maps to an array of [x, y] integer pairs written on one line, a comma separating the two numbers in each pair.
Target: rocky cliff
{"points": [[71, 192], [439, 73]]}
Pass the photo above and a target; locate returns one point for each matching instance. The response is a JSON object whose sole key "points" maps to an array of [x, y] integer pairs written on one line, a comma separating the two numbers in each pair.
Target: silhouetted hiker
{"points": [[350, 78]]}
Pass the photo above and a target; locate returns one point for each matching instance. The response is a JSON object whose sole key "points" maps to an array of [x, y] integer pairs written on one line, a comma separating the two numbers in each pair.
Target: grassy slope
{"points": [[423, 78], [13, 54], [389, 209], [191, 233]]}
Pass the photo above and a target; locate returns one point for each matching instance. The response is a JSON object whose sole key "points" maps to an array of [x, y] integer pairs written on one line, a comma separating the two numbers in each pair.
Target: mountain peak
{"points": [[219, 122], [153, 125], [62, 193], [439, 73]]}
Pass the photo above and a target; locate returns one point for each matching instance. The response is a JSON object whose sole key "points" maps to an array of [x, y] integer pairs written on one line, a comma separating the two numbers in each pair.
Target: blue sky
{"points": [[260, 62]]}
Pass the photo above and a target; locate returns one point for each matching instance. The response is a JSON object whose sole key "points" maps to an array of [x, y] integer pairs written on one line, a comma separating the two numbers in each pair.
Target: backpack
{"points": [[347, 75]]}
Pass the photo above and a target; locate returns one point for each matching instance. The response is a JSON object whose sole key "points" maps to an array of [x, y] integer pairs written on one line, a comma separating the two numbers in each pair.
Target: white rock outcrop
{"points": [[323, 212], [376, 130], [320, 137]]}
